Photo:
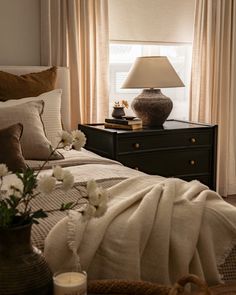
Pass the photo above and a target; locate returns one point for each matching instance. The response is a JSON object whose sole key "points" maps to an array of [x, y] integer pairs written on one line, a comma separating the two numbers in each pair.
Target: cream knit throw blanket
{"points": [[155, 229]]}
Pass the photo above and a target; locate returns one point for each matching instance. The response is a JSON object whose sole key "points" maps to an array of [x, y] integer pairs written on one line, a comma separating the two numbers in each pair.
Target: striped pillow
{"points": [[35, 145], [51, 116]]}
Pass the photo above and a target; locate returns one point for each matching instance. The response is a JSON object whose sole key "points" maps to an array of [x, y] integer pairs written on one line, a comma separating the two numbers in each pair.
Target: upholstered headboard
{"points": [[62, 83]]}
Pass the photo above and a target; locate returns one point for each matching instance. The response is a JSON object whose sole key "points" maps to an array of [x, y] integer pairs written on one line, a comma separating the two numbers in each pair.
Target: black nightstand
{"points": [[177, 149]]}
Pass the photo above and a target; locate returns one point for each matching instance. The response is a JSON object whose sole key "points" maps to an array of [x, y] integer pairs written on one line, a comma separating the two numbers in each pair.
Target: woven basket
{"points": [[126, 287]]}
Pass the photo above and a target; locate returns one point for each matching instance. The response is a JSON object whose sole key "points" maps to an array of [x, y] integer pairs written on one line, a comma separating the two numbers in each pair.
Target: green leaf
{"points": [[38, 214], [13, 201], [29, 180], [67, 206], [7, 214]]}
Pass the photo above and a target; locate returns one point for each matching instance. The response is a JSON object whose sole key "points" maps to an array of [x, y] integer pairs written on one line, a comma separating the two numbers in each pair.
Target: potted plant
{"points": [[23, 268], [118, 109]]}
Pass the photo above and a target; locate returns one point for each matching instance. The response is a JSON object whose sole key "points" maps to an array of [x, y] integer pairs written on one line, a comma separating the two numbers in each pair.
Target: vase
{"points": [[152, 107], [23, 269], [118, 112]]}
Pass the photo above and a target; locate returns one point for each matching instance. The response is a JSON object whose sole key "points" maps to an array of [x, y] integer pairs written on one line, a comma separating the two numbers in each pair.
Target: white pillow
{"points": [[51, 116]]}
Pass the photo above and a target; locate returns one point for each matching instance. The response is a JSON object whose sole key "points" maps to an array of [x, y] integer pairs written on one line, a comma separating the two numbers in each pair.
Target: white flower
{"points": [[79, 139], [58, 172], [97, 197], [66, 138], [92, 192], [91, 186], [77, 145], [46, 184], [96, 194], [68, 180], [102, 207], [78, 135], [16, 189], [65, 176], [3, 170]]}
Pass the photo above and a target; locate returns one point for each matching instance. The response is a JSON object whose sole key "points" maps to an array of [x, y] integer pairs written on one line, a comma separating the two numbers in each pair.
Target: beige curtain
{"points": [[74, 33], [213, 95]]}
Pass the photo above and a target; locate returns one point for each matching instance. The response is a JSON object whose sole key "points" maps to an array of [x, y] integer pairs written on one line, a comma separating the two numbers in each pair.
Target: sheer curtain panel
{"points": [[74, 33], [212, 94]]}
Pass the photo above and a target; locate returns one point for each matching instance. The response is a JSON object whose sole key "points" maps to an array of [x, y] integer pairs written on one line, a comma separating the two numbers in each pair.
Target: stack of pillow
{"points": [[30, 117]]}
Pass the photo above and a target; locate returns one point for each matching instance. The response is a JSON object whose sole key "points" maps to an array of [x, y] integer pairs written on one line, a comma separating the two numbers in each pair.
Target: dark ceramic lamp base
{"points": [[152, 106]]}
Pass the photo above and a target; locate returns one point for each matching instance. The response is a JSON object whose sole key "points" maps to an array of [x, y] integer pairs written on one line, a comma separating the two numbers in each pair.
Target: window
{"points": [[122, 57]]}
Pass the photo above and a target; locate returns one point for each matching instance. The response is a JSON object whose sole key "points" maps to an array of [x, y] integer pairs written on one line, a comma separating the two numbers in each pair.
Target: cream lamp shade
{"points": [[152, 73]]}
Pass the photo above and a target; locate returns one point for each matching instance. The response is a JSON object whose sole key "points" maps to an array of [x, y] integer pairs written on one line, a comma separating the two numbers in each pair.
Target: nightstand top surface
{"points": [[168, 125]]}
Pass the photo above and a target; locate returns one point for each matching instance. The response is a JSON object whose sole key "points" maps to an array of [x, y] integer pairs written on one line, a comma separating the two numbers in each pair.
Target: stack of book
{"points": [[126, 124]]}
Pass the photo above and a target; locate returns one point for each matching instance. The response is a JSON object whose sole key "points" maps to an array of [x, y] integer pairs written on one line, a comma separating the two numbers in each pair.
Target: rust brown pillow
{"points": [[10, 148], [33, 84]]}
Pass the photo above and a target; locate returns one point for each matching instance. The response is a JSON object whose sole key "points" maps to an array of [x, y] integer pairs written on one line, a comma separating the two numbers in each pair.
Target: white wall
{"points": [[19, 32]]}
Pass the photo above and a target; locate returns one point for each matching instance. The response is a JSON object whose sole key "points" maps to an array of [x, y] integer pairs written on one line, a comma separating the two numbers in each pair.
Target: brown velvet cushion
{"points": [[10, 148], [33, 84]]}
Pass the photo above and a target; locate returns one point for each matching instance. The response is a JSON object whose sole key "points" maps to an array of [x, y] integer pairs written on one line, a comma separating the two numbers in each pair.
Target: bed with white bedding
{"points": [[155, 228]]}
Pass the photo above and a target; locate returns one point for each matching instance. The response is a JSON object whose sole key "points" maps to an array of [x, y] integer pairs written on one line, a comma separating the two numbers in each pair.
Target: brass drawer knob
{"points": [[193, 140], [136, 145], [192, 162]]}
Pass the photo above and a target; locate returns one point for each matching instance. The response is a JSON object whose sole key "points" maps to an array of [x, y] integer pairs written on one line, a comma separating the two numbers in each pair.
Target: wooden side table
{"points": [[178, 149]]}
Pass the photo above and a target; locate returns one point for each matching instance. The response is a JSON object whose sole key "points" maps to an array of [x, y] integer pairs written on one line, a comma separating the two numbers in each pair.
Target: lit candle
{"points": [[70, 283]]}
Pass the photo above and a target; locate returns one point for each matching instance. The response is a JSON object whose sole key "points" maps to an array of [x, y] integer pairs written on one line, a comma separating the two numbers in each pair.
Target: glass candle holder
{"points": [[70, 283]]}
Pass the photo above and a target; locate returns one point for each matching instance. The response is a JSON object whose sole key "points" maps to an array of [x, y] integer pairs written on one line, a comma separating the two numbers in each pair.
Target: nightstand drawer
{"points": [[170, 163], [142, 143]]}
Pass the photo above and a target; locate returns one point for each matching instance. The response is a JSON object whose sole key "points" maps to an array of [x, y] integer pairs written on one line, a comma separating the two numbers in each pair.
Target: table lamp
{"points": [[152, 73]]}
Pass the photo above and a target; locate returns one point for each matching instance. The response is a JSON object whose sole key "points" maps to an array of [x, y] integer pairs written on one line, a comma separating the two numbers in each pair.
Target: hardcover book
{"points": [[123, 121], [123, 126]]}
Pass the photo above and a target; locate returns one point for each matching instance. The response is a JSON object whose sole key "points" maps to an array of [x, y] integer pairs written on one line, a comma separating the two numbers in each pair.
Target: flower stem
{"points": [[47, 160]]}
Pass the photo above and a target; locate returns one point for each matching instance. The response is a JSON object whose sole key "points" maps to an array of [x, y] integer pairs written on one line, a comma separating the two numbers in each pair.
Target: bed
{"points": [[155, 229]]}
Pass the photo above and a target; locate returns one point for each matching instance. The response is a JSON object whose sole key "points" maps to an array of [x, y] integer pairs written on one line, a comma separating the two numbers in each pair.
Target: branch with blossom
{"points": [[15, 202]]}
